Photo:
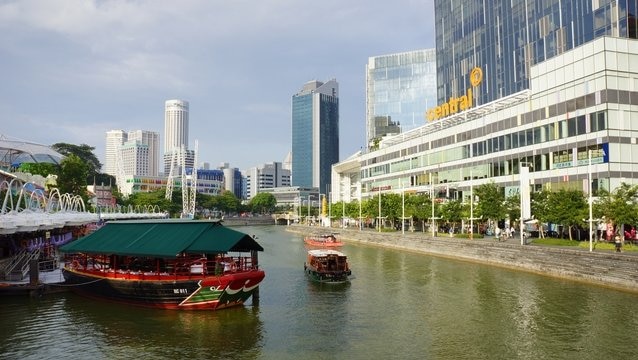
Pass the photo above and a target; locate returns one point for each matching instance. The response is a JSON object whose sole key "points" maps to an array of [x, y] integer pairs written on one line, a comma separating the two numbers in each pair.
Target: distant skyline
{"points": [[73, 70]]}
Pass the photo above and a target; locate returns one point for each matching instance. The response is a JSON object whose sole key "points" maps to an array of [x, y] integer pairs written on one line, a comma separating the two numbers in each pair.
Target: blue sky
{"points": [[72, 69]]}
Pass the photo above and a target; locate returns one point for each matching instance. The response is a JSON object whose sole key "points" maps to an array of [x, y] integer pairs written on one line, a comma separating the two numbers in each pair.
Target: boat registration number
{"points": [[180, 291]]}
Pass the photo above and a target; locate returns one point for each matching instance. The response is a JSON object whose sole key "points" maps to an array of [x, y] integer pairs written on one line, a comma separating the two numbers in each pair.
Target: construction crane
{"points": [[170, 182], [189, 188], [120, 179], [188, 182]]}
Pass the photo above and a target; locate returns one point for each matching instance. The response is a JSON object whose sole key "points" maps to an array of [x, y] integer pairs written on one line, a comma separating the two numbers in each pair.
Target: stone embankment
{"points": [[248, 221], [611, 269]]}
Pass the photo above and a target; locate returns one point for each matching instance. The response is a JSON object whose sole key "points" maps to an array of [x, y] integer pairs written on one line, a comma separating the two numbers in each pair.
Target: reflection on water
{"points": [[71, 325], [399, 305]]}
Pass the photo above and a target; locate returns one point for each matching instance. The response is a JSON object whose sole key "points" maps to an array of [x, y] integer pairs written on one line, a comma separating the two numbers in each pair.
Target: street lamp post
{"points": [[591, 240], [471, 206], [360, 210], [321, 210], [309, 204], [330, 208], [379, 220], [525, 198], [402, 209], [343, 213], [432, 200]]}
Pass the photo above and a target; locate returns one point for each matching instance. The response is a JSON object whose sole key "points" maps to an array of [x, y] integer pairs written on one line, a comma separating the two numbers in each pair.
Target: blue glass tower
{"points": [[505, 38], [315, 134]]}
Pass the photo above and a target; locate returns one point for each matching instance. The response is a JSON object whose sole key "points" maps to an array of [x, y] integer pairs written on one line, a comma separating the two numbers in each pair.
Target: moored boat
{"points": [[325, 240], [169, 264], [327, 266]]}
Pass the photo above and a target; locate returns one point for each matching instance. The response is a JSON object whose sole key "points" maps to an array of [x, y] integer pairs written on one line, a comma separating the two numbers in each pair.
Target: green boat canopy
{"points": [[162, 238]]}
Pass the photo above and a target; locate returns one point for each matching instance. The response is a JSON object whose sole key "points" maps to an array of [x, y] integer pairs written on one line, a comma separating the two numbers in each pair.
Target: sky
{"points": [[72, 69]]}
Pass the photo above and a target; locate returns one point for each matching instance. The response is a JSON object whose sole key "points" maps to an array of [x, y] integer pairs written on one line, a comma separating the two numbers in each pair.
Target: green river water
{"points": [[399, 305]]}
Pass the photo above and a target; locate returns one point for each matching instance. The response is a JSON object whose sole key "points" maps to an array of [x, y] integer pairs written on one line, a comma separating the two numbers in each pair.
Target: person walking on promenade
{"points": [[508, 232], [617, 243], [497, 233], [512, 231]]}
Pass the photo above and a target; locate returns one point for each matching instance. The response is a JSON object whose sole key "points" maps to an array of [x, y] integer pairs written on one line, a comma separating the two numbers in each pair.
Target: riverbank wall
{"points": [[604, 268], [248, 221]]}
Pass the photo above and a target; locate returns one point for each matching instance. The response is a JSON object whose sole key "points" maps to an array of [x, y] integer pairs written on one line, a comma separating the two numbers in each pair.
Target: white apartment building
{"points": [[137, 151], [267, 176]]}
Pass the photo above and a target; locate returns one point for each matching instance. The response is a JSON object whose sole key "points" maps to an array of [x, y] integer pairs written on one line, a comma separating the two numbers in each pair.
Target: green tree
{"points": [[540, 209], [422, 205], [490, 202], [568, 208], [620, 206], [512, 207], [72, 178], [228, 202], [43, 169], [263, 202], [452, 211], [391, 207], [84, 152], [370, 208]]}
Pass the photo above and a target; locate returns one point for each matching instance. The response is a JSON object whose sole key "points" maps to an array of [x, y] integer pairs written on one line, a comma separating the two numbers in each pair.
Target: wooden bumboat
{"points": [[327, 240], [184, 264], [327, 266]]}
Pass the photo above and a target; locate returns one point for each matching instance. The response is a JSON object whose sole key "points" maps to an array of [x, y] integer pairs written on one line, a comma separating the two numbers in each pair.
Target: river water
{"points": [[400, 305]]}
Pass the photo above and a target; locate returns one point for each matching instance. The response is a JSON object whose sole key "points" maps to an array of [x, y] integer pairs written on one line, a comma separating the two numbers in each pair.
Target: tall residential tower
{"points": [[176, 115]]}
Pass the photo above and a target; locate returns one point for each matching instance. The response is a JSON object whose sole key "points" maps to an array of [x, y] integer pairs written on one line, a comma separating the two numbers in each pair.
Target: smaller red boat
{"points": [[327, 240]]}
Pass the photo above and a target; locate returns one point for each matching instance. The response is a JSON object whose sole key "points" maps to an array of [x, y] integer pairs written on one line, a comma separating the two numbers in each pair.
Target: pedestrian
{"points": [[618, 243], [508, 233], [497, 233], [512, 231]]}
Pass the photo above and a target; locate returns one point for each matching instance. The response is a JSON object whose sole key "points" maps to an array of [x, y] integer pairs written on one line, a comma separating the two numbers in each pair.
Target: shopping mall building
{"points": [[577, 116]]}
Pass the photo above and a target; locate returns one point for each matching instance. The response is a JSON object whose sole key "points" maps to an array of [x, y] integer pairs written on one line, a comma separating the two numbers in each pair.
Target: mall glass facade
{"points": [[397, 88]]}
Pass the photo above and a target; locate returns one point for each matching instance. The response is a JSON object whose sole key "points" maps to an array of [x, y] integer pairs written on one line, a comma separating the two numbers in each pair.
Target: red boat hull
{"points": [[166, 291]]}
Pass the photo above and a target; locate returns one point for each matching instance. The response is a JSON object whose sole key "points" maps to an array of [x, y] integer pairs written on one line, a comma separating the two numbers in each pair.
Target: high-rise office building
{"points": [[266, 176], [151, 140], [176, 115], [114, 141], [397, 85], [233, 180], [315, 133], [135, 157], [506, 38]]}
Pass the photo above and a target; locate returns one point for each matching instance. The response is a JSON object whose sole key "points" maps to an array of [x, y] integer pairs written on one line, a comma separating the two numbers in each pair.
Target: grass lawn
{"points": [[583, 244]]}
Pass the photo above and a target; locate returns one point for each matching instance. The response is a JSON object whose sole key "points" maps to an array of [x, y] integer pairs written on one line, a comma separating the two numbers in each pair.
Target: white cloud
{"points": [[89, 66]]}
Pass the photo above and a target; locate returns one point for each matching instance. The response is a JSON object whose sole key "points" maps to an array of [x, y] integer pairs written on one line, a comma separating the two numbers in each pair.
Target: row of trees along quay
{"points": [[567, 209]]}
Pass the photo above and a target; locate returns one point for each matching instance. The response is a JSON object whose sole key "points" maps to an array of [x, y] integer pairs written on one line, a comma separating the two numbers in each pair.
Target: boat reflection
{"points": [[169, 334]]}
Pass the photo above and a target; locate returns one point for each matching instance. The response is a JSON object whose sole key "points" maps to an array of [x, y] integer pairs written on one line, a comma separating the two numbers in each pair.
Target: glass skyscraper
{"points": [[398, 88], [315, 134], [505, 38]]}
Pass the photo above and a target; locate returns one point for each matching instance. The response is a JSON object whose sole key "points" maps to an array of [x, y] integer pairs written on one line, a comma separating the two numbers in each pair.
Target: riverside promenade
{"points": [[600, 267]]}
